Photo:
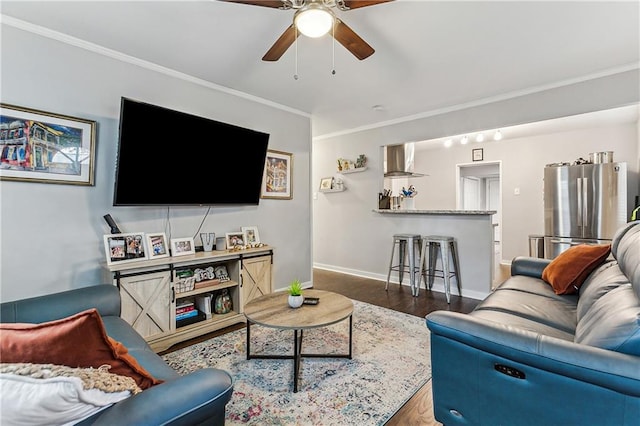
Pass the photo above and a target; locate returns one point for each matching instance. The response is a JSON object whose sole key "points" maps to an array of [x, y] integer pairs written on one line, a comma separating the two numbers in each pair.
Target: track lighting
{"points": [[448, 143], [480, 137], [464, 140], [497, 136]]}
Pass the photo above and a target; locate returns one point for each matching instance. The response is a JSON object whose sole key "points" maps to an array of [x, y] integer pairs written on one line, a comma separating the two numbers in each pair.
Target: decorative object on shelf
{"points": [[477, 154], [185, 284], [157, 244], [223, 303], [43, 147], [407, 196], [277, 181], [295, 294], [361, 161], [221, 243], [208, 240], [338, 184], [120, 248], [221, 273], [409, 193], [182, 246], [326, 183], [350, 166], [235, 240], [252, 235]]}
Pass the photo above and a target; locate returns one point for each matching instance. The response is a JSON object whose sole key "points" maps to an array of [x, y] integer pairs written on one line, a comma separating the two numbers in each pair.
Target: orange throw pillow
{"points": [[570, 269], [76, 341]]}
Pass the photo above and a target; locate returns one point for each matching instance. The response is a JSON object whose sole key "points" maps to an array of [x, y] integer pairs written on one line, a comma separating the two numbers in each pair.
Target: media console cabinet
{"points": [[151, 289]]}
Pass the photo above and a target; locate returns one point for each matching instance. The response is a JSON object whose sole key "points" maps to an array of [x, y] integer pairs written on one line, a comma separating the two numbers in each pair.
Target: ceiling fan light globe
{"points": [[313, 22]]}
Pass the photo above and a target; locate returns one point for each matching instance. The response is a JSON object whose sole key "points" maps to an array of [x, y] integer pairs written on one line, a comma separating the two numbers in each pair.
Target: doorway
{"points": [[479, 187]]}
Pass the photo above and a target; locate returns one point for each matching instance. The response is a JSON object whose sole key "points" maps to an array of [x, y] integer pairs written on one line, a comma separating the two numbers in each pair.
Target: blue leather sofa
{"points": [[193, 399], [527, 356]]}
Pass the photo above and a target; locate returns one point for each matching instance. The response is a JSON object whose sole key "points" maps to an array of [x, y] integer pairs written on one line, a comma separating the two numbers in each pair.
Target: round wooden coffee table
{"points": [[272, 310]]}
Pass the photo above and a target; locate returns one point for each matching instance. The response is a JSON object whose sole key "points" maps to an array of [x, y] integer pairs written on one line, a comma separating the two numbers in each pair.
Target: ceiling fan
{"points": [[314, 18]]}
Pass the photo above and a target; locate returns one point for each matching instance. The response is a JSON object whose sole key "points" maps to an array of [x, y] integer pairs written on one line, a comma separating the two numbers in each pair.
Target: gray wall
{"points": [[52, 235], [345, 224]]}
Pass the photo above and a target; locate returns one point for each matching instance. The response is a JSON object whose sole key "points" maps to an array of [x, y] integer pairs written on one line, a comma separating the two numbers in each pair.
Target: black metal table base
{"points": [[297, 351]]}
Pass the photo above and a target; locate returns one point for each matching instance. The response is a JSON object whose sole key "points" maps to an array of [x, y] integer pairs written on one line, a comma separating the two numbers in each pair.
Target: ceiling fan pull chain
{"points": [[333, 48], [295, 75]]}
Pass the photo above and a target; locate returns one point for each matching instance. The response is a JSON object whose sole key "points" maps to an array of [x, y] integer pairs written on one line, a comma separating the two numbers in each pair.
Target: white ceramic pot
{"points": [[296, 301]]}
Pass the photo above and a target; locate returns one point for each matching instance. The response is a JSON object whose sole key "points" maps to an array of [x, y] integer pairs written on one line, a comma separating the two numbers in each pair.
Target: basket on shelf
{"points": [[185, 284]]}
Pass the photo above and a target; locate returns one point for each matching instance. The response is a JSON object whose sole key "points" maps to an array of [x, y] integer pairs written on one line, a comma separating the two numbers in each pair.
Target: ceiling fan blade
{"points": [[281, 45], [356, 4], [352, 41], [276, 4]]}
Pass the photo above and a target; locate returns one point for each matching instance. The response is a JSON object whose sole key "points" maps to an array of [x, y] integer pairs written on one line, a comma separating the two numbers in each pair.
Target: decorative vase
{"points": [[223, 304], [408, 204], [295, 301]]}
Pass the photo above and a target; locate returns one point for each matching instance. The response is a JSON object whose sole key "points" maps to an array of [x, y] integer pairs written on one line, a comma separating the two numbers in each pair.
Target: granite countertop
{"points": [[437, 212]]}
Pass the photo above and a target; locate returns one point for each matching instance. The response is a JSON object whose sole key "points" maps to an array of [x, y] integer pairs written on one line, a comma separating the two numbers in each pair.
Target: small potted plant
{"points": [[295, 294]]}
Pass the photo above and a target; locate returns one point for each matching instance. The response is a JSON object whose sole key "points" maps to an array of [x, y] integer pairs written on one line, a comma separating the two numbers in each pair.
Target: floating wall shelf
{"points": [[354, 170]]}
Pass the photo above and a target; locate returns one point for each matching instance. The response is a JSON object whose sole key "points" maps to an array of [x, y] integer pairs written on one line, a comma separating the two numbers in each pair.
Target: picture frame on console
{"points": [[157, 245], [251, 234], [277, 181], [182, 246], [235, 239], [44, 147], [123, 248]]}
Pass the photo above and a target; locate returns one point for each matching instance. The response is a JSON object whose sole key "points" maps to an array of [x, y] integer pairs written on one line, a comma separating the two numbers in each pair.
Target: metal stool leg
{"points": [[393, 249], [422, 270], [433, 257], [412, 265], [444, 252], [402, 250], [456, 267]]}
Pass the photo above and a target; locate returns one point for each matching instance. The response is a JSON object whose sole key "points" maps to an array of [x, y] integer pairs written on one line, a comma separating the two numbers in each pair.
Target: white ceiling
{"points": [[430, 56]]}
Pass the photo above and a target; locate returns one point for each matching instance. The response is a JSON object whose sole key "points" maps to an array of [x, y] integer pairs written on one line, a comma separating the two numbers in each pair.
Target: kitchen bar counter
{"points": [[437, 212], [472, 229]]}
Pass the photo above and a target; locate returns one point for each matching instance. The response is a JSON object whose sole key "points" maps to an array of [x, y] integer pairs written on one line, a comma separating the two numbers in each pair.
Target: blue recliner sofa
{"points": [[528, 356], [197, 398]]}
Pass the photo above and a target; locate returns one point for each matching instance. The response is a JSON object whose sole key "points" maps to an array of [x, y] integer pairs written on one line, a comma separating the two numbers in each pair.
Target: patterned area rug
{"points": [[390, 363]]}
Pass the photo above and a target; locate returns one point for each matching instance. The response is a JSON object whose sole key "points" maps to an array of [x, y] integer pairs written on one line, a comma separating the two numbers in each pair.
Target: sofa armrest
{"points": [[104, 297], [528, 266], [196, 398], [599, 367]]}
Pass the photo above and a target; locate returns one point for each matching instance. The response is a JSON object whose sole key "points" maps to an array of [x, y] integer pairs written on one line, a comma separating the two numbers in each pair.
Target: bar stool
{"points": [[408, 244], [440, 246]]}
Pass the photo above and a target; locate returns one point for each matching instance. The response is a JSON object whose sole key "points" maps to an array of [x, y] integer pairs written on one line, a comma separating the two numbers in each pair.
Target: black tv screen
{"points": [[167, 157]]}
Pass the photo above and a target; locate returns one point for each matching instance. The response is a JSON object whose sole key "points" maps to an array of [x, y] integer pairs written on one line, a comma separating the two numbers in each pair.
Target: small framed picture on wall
{"points": [[477, 154]]}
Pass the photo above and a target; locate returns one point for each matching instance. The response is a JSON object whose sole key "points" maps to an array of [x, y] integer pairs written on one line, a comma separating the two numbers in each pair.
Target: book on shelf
{"points": [[186, 315], [204, 304], [183, 309]]}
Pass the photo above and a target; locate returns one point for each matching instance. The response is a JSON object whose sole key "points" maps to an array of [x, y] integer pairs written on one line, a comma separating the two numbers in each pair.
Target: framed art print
{"points": [[44, 147], [120, 248], [477, 154], [326, 183], [277, 179], [157, 245], [182, 246]]}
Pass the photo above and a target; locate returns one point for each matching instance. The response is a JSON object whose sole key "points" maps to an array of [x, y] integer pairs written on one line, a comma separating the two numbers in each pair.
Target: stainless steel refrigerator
{"points": [[584, 203]]}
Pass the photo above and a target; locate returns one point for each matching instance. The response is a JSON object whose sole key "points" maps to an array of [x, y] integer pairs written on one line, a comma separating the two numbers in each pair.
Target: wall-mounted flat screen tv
{"points": [[168, 158]]}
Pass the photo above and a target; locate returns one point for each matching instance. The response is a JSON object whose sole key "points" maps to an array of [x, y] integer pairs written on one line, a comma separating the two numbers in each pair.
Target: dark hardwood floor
{"points": [[418, 411]]}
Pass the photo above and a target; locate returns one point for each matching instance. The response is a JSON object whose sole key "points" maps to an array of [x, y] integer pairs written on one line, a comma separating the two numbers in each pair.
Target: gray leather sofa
{"points": [[193, 399], [526, 356]]}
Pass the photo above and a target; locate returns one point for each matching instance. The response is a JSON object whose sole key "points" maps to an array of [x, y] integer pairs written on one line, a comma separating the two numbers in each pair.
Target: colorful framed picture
{"points": [[477, 154], [326, 183], [121, 248], [277, 179], [38, 146], [182, 246], [157, 245], [235, 239], [251, 234]]}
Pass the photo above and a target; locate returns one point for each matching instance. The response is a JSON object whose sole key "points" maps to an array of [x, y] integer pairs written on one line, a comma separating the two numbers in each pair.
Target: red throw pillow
{"points": [[76, 341], [567, 272]]}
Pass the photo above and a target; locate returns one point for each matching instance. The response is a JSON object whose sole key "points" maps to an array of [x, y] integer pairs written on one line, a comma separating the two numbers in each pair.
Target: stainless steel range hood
{"points": [[399, 161]]}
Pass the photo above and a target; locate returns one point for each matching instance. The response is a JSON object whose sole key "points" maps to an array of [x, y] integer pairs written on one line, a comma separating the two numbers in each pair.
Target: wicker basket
{"points": [[184, 285]]}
